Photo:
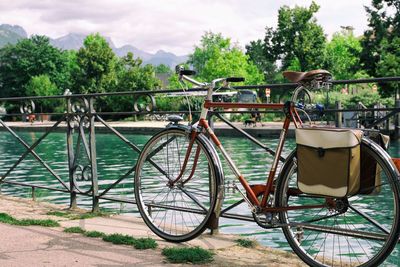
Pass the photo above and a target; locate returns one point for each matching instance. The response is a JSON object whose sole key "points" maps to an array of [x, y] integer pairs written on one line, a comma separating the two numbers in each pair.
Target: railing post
{"points": [[33, 194], [338, 115], [93, 157], [70, 149], [397, 121]]}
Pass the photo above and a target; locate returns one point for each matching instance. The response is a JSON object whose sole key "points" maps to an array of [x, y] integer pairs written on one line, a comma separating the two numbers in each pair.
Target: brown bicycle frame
{"points": [[291, 115]]}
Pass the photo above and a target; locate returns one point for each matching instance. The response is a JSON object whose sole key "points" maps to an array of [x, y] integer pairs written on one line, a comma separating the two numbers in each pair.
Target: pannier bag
{"points": [[328, 161], [370, 178]]}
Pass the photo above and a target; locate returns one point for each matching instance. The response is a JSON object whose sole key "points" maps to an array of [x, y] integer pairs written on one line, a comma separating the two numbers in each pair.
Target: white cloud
{"points": [[173, 25]]}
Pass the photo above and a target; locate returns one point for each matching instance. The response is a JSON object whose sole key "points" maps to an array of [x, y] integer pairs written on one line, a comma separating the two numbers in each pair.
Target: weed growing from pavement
{"points": [[74, 216], [246, 243], [118, 239], [94, 234], [138, 243], [194, 255], [6, 218], [75, 230], [145, 243]]}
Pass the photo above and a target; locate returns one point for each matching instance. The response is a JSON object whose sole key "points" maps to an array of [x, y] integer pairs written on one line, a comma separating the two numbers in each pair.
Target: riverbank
{"points": [[40, 246], [267, 129]]}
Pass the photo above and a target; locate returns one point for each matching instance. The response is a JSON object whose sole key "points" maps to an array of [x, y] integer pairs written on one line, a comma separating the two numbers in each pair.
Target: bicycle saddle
{"points": [[297, 76], [175, 118]]}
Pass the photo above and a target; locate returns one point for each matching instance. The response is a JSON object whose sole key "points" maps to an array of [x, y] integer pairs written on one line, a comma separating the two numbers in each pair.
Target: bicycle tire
{"points": [[180, 213], [320, 240]]}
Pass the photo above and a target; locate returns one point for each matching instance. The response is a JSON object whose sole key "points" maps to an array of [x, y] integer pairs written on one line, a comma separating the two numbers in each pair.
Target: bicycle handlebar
{"points": [[183, 74]]}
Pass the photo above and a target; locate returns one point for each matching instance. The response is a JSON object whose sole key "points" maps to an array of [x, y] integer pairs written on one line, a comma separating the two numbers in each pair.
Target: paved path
{"points": [[40, 246]]}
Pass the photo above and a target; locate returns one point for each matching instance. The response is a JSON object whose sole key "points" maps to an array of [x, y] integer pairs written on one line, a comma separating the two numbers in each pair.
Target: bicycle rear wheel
{"points": [[351, 231], [176, 212]]}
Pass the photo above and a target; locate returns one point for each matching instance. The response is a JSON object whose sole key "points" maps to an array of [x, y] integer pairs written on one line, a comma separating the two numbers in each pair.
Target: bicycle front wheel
{"points": [[177, 212], [359, 230]]}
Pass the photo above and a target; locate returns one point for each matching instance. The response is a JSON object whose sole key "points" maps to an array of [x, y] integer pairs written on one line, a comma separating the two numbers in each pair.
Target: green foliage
{"points": [[162, 68], [195, 255], [119, 239], [216, 57], [138, 243], [130, 76], [145, 243], [42, 86], [342, 55], [246, 243], [77, 216], [389, 65], [5, 218], [75, 230], [361, 95], [27, 59], [298, 41], [94, 234], [258, 53], [96, 62], [381, 42]]}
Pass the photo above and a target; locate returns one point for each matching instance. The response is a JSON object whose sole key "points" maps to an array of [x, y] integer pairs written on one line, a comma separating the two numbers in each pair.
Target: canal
{"points": [[114, 158]]}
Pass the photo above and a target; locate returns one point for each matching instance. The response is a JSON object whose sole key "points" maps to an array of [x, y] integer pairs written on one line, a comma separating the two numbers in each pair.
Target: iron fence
{"points": [[77, 119]]}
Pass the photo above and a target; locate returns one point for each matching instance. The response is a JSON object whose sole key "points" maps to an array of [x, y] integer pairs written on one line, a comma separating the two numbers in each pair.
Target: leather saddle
{"points": [[297, 76]]}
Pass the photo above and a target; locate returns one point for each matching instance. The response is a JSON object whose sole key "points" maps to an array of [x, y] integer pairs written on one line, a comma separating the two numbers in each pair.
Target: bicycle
{"points": [[179, 189]]}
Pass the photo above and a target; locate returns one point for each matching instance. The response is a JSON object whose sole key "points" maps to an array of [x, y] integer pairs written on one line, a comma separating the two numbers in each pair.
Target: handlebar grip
{"points": [[181, 70], [235, 79], [187, 72]]}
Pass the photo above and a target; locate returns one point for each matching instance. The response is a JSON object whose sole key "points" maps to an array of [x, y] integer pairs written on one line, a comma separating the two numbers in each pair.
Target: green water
{"points": [[115, 158]]}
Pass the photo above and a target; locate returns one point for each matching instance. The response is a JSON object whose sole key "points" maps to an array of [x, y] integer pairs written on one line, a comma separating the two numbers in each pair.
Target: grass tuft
{"points": [[119, 239], [81, 216], [5, 218], [45, 223], [145, 243], [94, 234], [57, 213], [195, 255], [75, 229], [246, 243]]}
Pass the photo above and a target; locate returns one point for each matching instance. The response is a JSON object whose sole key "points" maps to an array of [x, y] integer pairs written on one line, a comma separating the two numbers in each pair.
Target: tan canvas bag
{"points": [[328, 161]]}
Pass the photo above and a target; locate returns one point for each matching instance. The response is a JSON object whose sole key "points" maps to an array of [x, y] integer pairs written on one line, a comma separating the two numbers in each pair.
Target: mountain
{"points": [[10, 34], [122, 51], [73, 41], [166, 58]]}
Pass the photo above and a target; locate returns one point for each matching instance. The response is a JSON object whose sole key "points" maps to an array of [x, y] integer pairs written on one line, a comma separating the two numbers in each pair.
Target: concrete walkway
{"points": [[40, 246]]}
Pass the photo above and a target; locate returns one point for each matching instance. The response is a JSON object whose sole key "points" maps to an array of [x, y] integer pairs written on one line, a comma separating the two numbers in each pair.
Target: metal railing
{"points": [[78, 121]]}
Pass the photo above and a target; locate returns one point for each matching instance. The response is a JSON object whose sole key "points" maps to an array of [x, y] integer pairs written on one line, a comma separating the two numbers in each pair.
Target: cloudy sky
{"points": [[172, 25]]}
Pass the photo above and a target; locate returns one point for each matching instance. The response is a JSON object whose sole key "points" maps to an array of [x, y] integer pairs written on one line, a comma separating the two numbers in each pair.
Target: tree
{"points": [[382, 26], [216, 57], [389, 65], [41, 85], [96, 62], [162, 68], [298, 41], [262, 58], [380, 42], [28, 58], [342, 55], [130, 76]]}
